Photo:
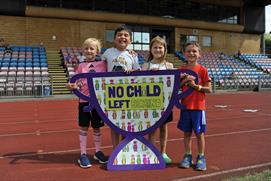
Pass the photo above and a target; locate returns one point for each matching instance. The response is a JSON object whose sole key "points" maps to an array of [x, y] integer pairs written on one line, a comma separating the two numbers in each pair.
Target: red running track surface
{"points": [[39, 141]]}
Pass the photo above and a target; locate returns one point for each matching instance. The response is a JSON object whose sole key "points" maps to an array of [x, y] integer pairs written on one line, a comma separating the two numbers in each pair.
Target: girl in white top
{"points": [[157, 61]]}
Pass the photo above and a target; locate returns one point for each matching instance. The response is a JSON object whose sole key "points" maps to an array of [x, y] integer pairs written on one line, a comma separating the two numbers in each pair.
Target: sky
{"points": [[267, 19]]}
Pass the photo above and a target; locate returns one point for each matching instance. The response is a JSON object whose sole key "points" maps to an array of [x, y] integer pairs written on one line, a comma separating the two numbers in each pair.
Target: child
{"points": [[91, 47], [119, 59], [194, 117], [156, 61]]}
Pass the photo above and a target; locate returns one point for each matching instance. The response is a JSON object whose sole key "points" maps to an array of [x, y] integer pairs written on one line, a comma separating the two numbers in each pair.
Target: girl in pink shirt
{"points": [[91, 47]]}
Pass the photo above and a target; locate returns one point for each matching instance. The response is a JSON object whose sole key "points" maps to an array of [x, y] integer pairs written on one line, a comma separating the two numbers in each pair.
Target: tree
{"points": [[267, 39]]}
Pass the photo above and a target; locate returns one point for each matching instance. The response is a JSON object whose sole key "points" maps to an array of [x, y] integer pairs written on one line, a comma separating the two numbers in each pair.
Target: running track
{"points": [[39, 141]]}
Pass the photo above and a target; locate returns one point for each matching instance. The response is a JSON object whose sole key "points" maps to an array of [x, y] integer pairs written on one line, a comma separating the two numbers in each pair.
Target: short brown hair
{"points": [[121, 28], [191, 43]]}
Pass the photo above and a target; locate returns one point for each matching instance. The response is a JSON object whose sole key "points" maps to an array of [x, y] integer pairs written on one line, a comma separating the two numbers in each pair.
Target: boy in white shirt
{"points": [[119, 59]]}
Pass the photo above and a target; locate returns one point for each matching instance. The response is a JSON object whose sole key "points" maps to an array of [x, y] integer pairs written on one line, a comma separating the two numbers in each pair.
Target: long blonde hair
{"points": [[158, 39]]}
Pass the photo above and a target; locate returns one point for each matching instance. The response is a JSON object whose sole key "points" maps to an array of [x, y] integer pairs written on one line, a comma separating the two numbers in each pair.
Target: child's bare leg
{"points": [[163, 143], [187, 142], [201, 143], [83, 139], [97, 139], [163, 138], [115, 138], [152, 137]]}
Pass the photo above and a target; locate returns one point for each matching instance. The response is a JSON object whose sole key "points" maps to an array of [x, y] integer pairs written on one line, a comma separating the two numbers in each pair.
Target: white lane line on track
{"points": [[40, 132], [33, 133], [48, 152], [32, 121], [109, 146], [224, 172], [75, 130], [63, 120]]}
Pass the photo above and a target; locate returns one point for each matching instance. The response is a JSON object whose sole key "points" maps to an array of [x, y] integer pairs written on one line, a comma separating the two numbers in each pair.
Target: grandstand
{"points": [[220, 27], [24, 72]]}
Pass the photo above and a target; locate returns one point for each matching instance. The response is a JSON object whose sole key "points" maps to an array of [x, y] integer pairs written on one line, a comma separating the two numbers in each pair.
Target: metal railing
{"points": [[259, 83], [42, 88]]}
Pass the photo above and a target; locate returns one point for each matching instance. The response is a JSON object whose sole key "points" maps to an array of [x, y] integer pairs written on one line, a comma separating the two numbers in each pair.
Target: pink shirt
{"points": [[86, 67]]}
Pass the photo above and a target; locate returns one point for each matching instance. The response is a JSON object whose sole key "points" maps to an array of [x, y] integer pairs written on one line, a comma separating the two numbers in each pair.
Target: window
{"points": [[137, 37], [207, 41], [187, 38], [192, 38], [146, 38], [109, 36], [141, 40], [184, 9]]}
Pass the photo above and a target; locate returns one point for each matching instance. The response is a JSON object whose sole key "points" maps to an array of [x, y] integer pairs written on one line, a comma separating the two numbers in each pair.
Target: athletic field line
{"points": [[50, 120], [69, 130], [109, 146], [224, 172]]}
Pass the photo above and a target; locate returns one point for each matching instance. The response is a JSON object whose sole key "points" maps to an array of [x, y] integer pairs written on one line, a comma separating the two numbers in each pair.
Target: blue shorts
{"points": [[192, 120]]}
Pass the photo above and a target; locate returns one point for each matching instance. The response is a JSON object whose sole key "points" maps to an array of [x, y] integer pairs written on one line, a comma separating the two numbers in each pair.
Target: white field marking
{"points": [[172, 122], [224, 172], [49, 152], [35, 133], [226, 134], [106, 127], [109, 146], [221, 118], [70, 130], [34, 121]]}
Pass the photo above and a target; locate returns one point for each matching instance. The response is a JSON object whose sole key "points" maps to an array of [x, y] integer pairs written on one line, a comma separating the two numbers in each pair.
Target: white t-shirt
{"points": [[114, 57]]}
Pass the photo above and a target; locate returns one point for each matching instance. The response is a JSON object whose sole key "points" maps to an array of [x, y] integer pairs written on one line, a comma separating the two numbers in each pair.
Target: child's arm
{"points": [[145, 66], [206, 88], [78, 83], [186, 78], [71, 86], [169, 65], [133, 53], [135, 66]]}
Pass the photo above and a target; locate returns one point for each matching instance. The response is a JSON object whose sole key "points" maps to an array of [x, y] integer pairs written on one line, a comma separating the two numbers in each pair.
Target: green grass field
{"points": [[263, 176]]}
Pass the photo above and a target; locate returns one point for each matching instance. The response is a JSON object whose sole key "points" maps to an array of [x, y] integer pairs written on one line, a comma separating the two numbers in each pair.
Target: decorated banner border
{"points": [[131, 137], [175, 99], [111, 166]]}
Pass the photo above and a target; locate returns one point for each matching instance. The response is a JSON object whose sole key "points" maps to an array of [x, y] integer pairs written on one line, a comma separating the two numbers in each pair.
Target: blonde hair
{"points": [[93, 40], [158, 39]]}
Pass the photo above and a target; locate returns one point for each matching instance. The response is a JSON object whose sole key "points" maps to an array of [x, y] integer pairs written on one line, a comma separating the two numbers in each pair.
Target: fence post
{"points": [[259, 83], [214, 85]]}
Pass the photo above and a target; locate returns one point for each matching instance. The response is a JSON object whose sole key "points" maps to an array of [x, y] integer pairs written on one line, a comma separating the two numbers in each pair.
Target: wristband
{"points": [[199, 87]]}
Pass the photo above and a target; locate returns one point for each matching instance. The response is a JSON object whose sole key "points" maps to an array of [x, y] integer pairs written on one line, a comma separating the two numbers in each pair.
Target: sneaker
{"points": [[187, 161], [84, 161], [166, 158], [100, 157], [201, 163]]}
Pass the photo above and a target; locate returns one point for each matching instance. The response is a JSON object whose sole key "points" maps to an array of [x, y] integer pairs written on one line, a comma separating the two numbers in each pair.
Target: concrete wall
{"points": [[68, 33], [227, 42]]}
